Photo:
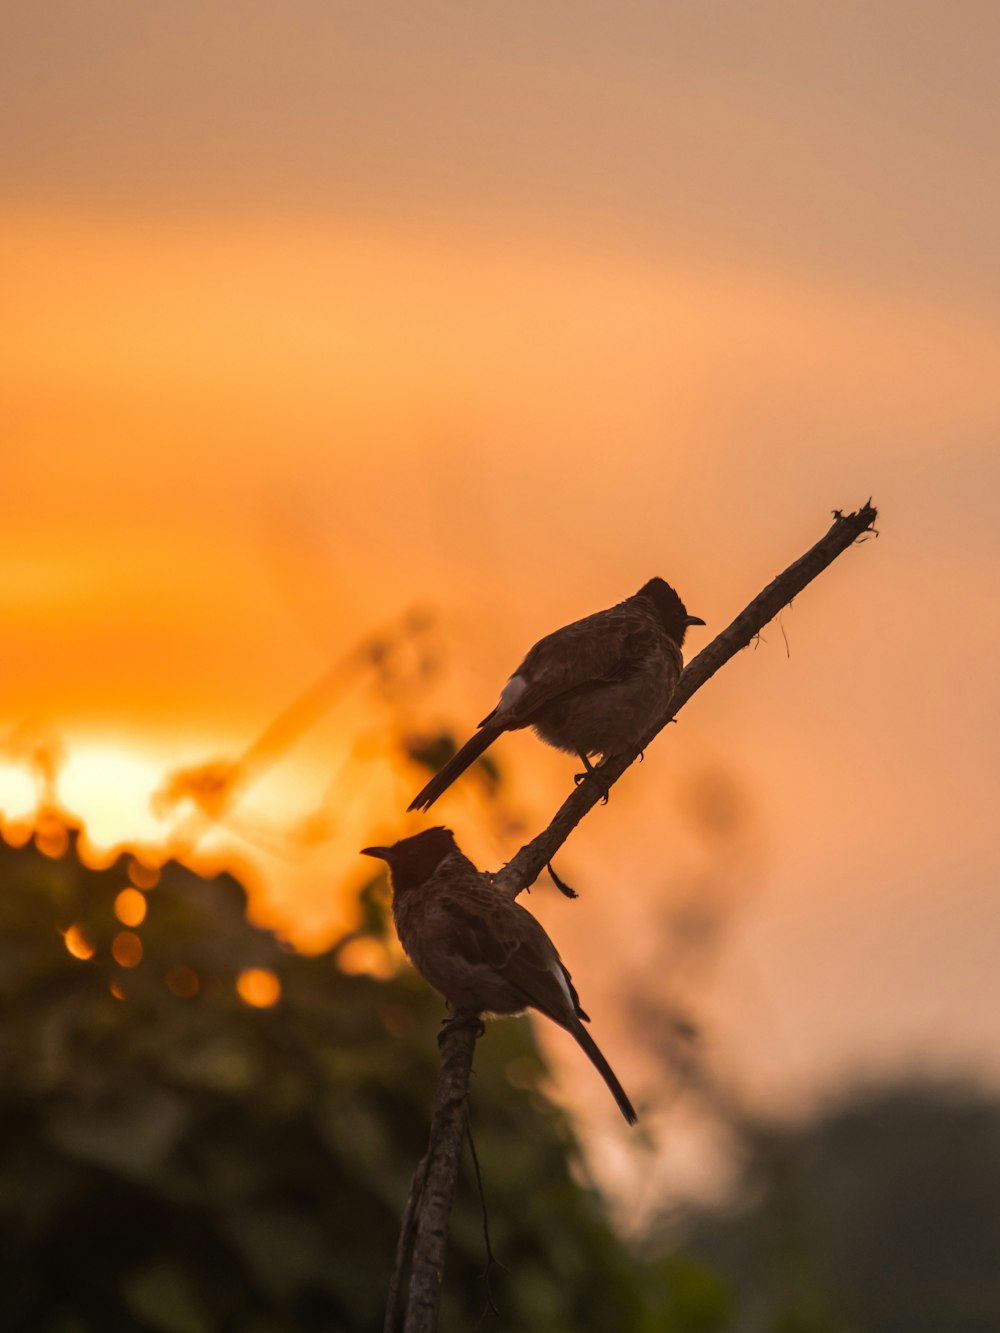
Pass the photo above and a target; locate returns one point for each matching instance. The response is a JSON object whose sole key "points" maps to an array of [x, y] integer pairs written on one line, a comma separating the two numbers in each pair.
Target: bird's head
{"points": [[412, 861], [669, 608]]}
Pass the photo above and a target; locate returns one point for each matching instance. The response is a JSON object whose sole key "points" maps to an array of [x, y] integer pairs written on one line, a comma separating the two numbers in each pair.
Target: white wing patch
{"points": [[512, 691], [560, 976]]}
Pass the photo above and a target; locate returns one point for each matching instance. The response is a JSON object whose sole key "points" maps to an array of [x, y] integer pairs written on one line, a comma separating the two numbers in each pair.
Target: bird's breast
{"points": [[450, 960]]}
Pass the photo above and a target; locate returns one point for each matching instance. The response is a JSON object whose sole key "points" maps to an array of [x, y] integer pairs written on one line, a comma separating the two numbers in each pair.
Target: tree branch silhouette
{"points": [[524, 868], [433, 1188], [439, 1169]]}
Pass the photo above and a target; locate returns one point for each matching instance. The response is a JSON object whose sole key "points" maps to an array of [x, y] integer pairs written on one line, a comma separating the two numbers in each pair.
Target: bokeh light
{"points": [[78, 943], [259, 987], [143, 876], [366, 955], [183, 981], [126, 949], [130, 907], [51, 837]]}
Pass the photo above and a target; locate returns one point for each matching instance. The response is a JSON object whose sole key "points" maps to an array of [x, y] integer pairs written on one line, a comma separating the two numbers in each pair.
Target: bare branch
{"points": [[407, 1232], [529, 862], [444, 1154], [458, 1040]]}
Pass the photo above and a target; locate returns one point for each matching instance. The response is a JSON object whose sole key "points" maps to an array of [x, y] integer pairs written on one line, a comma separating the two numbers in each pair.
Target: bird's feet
{"points": [[595, 775], [457, 1021]]}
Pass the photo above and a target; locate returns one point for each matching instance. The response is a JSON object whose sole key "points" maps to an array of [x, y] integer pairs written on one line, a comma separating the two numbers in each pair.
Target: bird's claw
{"points": [[458, 1021], [603, 787], [592, 772], [605, 790]]}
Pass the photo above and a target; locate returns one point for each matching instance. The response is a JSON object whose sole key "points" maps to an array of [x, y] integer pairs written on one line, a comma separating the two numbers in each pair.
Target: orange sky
{"points": [[313, 317]]}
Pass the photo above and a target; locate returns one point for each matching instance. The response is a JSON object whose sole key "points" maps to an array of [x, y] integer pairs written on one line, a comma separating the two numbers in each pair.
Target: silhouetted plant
{"points": [[180, 1160]]}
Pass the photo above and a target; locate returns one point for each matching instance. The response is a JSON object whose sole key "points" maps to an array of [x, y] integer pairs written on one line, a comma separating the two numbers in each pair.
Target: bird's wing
{"points": [[600, 649], [487, 929]]}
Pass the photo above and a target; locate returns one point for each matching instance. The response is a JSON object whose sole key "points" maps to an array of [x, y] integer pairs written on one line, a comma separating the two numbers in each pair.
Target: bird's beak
{"points": [[694, 620], [381, 852]]}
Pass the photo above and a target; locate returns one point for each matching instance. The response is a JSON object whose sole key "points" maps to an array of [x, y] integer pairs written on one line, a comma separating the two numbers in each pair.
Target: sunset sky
{"points": [[315, 314]]}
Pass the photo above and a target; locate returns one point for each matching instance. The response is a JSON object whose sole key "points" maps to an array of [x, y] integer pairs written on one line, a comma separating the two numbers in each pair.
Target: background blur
{"points": [[347, 349]]}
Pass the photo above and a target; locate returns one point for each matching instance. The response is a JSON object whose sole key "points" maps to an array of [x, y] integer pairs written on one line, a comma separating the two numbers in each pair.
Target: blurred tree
{"points": [[180, 1154], [881, 1214]]}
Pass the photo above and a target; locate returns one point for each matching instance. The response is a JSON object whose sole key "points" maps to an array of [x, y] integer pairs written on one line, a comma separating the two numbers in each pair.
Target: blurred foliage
{"points": [[175, 1160], [179, 1161], [879, 1215]]}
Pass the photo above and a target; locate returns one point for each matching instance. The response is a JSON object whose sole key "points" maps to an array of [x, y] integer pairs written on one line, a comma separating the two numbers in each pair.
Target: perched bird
{"points": [[593, 687], [477, 946]]}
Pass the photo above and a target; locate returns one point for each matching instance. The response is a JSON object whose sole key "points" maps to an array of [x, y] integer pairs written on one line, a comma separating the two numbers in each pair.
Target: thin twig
{"points": [[491, 1260]]}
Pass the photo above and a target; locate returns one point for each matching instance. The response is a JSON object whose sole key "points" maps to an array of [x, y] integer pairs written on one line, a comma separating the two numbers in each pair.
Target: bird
{"points": [[596, 686], [478, 947]]}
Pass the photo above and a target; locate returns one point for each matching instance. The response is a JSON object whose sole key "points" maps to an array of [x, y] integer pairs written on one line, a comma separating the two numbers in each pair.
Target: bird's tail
{"points": [[455, 766], [593, 1052]]}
